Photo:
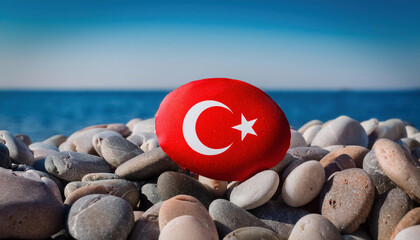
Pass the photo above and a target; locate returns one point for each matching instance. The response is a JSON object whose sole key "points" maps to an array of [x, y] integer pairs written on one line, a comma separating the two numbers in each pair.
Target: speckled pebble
{"points": [[372, 167]]}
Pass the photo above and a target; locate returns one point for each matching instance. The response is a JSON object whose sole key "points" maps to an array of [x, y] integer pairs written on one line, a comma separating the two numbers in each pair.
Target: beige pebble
{"points": [[216, 187], [314, 227], [185, 227]]}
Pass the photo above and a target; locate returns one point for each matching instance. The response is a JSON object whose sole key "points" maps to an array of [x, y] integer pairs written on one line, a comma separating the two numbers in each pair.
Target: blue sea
{"points": [[41, 114]]}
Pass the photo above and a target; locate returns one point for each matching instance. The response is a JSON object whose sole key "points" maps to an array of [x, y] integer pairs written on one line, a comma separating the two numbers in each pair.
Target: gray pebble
{"points": [[99, 176], [55, 140], [147, 125], [308, 153], [308, 125], [379, 178], [5, 161], [19, 152], [252, 233], [116, 150], [149, 196], [99, 137], [24, 138], [315, 227], [296, 139]]}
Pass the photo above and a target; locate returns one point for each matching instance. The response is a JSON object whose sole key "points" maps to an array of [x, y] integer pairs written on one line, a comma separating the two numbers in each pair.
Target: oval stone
{"points": [[216, 187], [145, 229], [399, 167], [308, 153], [310, 133], [252, 233], [19, 152], [81, 141], [303, 184], [24, 138], [371, 166], [314, 227], [292, 166], [99, 216], [256, 190], [296, 139], [99, 176], [132, 123], [99, 137], [42, 150], [412, 232], [308, 125], [147, 125], [185, 227], [388, 209], [411, 218], [357, 153], [341, 131], [392, 129], [186, 205], [360, 234], [370, 125], [116, 150], [5, 161], [147, 165], [55, 140], [149, 196], [347, 198], [72, 166], [170, 184]]}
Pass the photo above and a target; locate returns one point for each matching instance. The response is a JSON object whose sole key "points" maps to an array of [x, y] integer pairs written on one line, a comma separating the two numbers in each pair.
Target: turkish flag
{"points": [[222, 128]]}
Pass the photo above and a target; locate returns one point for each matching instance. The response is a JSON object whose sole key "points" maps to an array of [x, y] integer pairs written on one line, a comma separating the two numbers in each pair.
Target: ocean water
{"points": [[41, 114]]}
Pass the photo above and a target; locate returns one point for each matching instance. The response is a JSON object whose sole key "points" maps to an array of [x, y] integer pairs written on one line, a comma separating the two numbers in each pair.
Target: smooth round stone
{"points": [[119, 128], [5, 161], [170, 184], [132, 123], [149, 196], [292, 166], [73, 186], [216, 187], [410, 142], [117, 150], [360, 234], [30, 206], [399, 167], [116, 187], [412, 218], [252, 233], [147, 165], [47, 175], [24, 138], [341, 131], [55, 140], [256, 190], [347, 198], [372, 167], [370, 125], [81, 141], [412, 232], [314, 227], [357, 153], [42, 150], [416, 136], [342, 162], [145, 140], [145, 229], [392, 129], [153, 211], [72, 166], [411, 130], [229, 217], [296, 139], [99, 216], [186, 205], [308, 153], [310, 133], [185, 228], [333, 147], [19, 152], [388, 209], [147, 125], [99, 176], [288, 158], [308, 125], [303, 184], [99, 137]]}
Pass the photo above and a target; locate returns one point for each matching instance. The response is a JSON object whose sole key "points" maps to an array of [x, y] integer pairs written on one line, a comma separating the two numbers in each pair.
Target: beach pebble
{"points": [[357, 153], [308, 125], [72, 166], [99, 216], [145, 140], [360, 234], [303, 184], [342, 162], [42, 150], [333, 147], [116, 187], [19, 152], [119, 128], [99, 176], [99, 137], [185, 227], [144, 228], [24, 138], [370, 125], [186, 205], [256, 190], [314, 227], [412, 218], [388, 209], [73, 186], [294, 164], [170, 184], [412, 232], [216, 187], [308, 153], [147, 125], [81, 141], [149, 196], [29, 206], [147, 165], [116, 150], [252, 233], [399, 166], [310, 133], [296, 139], [392, 129], [341, 131], [372, 167], [411, 143], [55, 140], [288, 158], [5, 161], [153, 211], [132, 123], [229, 217], [411, 131], [347, 198]]}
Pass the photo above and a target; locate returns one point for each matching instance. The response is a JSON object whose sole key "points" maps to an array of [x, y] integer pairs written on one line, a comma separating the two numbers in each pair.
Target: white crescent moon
{"points": [[190, 134]]}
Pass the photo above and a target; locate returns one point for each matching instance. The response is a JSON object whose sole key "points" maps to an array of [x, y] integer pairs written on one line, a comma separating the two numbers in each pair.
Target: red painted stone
{"points": [[222, 128]]}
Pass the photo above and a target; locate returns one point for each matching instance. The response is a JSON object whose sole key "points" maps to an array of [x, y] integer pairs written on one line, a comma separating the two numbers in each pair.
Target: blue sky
{"points": [[164, 44]]}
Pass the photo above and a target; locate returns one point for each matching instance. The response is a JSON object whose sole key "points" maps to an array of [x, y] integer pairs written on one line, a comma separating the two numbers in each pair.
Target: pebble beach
{"points": [[340, 179]]}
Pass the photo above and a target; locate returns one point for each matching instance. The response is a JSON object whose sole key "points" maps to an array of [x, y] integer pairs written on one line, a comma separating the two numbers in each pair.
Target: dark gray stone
{"points": [[149, 196], [5, 161], [24, 138], [372, 167], [116, 150], [18, 151], [308, 153]]}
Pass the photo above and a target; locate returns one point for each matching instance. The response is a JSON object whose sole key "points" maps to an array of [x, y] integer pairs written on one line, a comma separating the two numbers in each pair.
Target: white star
{"points": [[245, 127]]}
